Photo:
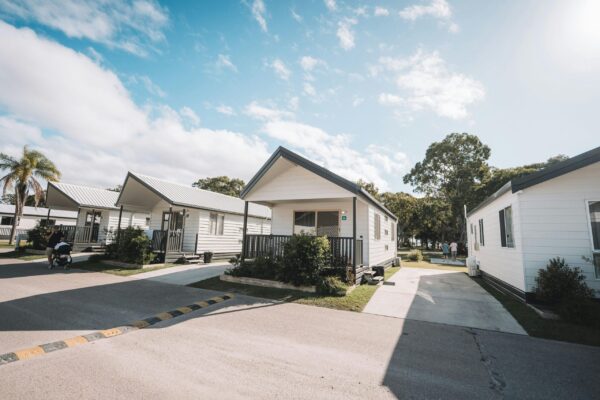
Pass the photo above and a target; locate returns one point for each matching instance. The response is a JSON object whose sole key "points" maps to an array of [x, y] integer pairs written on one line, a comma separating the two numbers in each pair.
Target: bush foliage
{"points": [[37, 237], [415, 255], [304, 257], [564, 288], [332, 286], [133, 246]]}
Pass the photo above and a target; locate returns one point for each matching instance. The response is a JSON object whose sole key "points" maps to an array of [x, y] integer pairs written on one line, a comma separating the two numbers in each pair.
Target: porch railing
{"points": [[85, 234], [170, 241], [341, 248]]}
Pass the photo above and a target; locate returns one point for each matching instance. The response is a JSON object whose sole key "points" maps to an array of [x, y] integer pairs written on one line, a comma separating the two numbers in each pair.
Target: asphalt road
{"points": [[253, 348]]}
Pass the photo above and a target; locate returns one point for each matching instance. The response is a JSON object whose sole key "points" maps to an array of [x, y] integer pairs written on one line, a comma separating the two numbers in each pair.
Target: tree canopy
{"points": [[221, 184], [24, 175]]}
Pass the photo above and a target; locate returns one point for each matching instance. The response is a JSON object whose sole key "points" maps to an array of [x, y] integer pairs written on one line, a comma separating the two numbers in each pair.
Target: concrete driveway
{"points": [[440, 296]]}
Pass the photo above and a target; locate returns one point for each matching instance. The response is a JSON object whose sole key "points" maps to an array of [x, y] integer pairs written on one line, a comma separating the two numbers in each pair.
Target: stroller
{"points": [[61, 256]]}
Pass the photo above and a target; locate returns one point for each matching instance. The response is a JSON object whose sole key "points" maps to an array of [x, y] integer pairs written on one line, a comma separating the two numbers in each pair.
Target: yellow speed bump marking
{"points": [[29, 353], [111, 332], [75, 341], [25, 354], [140, 324], [163, 316]]}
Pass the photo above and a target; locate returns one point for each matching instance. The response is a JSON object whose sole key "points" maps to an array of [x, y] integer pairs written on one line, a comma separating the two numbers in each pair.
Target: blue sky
{"points": [[183, 90]]}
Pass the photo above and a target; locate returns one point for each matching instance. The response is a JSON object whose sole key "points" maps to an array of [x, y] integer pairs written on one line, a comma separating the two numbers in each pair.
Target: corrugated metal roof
{"points": [[9, 209], [183, 195], [86, 196]]}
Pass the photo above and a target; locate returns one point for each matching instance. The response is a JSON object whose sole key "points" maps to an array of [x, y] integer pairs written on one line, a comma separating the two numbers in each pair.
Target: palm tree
{"points": [[23, 175]]}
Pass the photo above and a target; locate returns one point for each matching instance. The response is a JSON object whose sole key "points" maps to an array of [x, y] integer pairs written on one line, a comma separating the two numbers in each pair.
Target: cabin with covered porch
{"points": [[186, 222], [306, 198], [98, 218]]}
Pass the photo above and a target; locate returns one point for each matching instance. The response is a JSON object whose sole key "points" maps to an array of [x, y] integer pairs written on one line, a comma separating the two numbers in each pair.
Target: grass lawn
{"points": [[98, 266], [540, 327], [22, 255], [355, 301], [427, 254]]}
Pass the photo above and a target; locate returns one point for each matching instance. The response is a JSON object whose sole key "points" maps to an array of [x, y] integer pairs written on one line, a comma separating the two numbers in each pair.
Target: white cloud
{"points": [[224, 62], [133, 26], [331, 5], [258, 12], [335, 153], [381, 12], [98, 132], [226, 110], [439, 9], [309, 63], [426, 82], [256, 111], [190, 115], [357, 101], [345, 33], [150, 86], [309, 89], [360, 11], [281, 69], [297, 17]]}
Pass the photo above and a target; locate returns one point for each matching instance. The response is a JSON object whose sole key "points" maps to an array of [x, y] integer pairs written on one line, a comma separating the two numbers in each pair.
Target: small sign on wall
{"points": [[344, 217]]}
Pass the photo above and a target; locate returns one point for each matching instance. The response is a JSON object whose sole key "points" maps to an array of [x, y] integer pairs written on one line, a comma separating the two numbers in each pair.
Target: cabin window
{"points": [[217, 222], [7, 220], [377, 226], [322, 223], [481, 237], [147, 221], [393, 230], [506, 227]]}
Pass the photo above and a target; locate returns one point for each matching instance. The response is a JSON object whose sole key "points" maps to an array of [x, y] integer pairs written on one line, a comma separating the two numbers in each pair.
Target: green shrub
{"points": [[564, 288], [332, 286], [304, 258], [37, 237], [560, 282], [415, 255], [132, 247], [260, 268]]}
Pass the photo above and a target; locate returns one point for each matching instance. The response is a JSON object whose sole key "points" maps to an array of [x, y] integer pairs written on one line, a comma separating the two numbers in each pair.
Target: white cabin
{"points": [[32, 216], [307, 198], [551, 213], [193, 221], [97, 215]]}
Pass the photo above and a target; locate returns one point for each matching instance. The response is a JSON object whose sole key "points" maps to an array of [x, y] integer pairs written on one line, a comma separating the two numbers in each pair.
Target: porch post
{"points": [[166, 245], [354, 235], [48, 217], [92, 225], [119, 225], [75, 229], [182, 230], [244, 230]]}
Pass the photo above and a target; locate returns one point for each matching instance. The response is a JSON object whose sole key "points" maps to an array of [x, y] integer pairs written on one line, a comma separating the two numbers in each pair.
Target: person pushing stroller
{"points": [[57, 251]]}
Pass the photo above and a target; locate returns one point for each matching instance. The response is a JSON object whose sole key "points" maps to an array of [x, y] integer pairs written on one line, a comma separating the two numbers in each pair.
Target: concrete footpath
{"points": [[440, 296]]}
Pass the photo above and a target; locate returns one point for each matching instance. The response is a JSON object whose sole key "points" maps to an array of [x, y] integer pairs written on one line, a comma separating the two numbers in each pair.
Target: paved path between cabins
{"points": [[255, 348], [184, 274], [445, 297]]}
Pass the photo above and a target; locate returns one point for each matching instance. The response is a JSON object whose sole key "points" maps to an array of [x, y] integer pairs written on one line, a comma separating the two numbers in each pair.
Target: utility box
{"points": [[472, 266]]}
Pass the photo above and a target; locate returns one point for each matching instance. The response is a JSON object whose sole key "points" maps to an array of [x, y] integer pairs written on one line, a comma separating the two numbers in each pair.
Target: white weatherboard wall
{"points": [[555, 222], [29, 221], [504, 263], [198, 225], [383, 249], [295, 183], [110, 220]]}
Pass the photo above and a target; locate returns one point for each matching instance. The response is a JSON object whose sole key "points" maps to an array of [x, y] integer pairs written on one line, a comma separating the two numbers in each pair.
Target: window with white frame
{"points": [[481, 237], [377, 226], [594, 210], [217, 223], [506, 227]]}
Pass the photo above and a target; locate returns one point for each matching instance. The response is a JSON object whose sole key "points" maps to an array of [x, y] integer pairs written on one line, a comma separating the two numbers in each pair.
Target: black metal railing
{"points": [[342, 249], [169, 241]]}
